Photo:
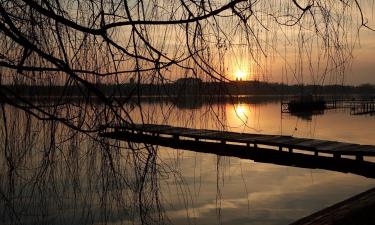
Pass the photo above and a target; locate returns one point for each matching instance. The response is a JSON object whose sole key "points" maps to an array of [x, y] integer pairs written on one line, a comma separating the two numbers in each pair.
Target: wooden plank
{"points": [[245, 137], [313, 144], [280, 141], [202, 134], [264, 140], [338, 148], [294, 141], [353, 148], [369, 147], [284, 139], [176, 129], [271, 140], [334, 146], [355, 210], [171, 129], [222, 136], [165, 130], [145, 127], [364, 150], [258, 138], [232, 136], [193, 132]]}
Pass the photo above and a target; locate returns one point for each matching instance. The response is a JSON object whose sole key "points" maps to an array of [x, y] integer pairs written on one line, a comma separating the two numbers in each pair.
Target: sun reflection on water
{"points": [[238, 115], [241, 110]]}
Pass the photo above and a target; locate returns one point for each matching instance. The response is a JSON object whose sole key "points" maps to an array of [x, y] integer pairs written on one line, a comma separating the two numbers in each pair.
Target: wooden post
{"points": [[280, 148], [336, 155], [290, 150], [359, 157], [316, 153]]}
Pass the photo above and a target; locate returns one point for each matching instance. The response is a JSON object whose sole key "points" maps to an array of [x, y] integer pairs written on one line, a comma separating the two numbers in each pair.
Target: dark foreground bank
{"points": [[353, 211]]}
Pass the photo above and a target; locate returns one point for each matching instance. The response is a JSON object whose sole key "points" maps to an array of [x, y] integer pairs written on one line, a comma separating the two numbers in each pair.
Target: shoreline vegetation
{"points": [[188, 87]]}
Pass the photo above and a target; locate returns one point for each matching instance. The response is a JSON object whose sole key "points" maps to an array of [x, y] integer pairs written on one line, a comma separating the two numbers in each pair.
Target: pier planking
{"points": [[337, 149]]}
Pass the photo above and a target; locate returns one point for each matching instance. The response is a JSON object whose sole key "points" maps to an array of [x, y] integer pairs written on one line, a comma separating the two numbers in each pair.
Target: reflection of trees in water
{"points": [[307, 115], [54, 175]]}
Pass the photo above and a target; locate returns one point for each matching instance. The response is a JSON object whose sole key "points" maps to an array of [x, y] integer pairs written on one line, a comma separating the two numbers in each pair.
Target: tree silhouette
{"points": [[85, 43]]}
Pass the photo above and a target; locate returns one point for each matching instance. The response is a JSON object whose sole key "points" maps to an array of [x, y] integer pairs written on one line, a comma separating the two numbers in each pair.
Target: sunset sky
{"points": [[339, 54], [359, 69], [272, 41]]}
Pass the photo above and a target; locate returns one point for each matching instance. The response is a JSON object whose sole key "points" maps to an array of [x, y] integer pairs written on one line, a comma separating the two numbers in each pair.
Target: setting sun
{"points": [[240, 75]]}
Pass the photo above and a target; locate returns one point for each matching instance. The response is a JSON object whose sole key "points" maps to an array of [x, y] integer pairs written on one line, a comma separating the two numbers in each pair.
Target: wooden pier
{"points": [[365, 108], [279, 143]]}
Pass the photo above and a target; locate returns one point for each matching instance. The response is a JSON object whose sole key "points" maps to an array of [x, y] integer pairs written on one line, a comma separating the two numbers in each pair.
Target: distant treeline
{"points": [[189, 87]]}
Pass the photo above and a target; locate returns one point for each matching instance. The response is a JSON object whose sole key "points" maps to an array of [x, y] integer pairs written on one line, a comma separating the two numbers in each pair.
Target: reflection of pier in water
{"points": [[282, 150]]}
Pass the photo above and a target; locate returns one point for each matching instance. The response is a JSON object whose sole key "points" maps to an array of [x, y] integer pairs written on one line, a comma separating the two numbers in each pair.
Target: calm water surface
{"points": [[79, 181], [235, 191]]}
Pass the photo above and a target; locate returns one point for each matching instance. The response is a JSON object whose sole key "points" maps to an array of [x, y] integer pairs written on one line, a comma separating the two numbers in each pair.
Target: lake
{"points": [[54, 175]]}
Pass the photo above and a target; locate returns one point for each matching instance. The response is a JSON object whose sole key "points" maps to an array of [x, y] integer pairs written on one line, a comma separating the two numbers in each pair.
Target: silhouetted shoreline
{"points": [[186, 87]]}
